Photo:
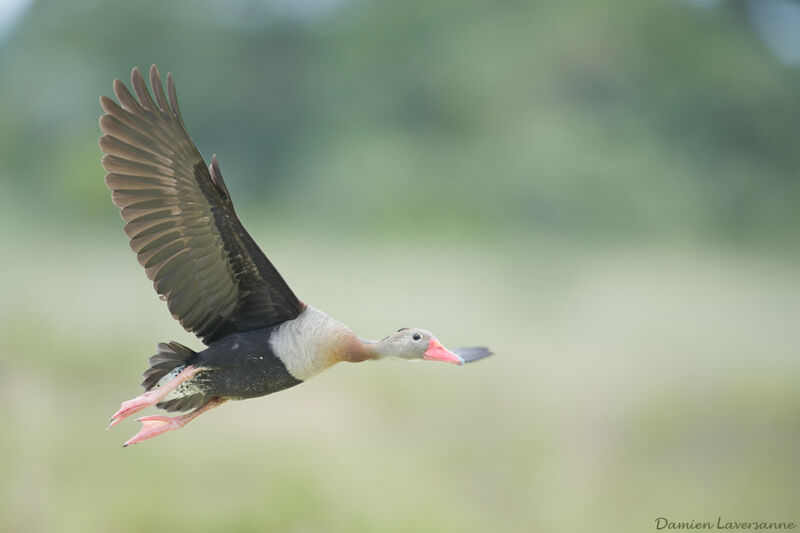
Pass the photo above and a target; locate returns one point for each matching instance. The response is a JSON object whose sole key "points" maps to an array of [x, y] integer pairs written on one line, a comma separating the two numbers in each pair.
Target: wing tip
{"points": [[136, 74], [118, 85], [173, 98]]}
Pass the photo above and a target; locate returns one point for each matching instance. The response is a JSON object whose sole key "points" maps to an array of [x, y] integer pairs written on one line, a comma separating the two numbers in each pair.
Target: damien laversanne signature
{"points": [[664, 523]]}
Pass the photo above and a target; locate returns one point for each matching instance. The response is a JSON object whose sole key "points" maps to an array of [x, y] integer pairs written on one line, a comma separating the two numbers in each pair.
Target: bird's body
{"points": [[181, 223], [259, 362]]}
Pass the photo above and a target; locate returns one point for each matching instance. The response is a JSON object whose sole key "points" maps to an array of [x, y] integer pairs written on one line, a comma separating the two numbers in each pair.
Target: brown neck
{"points": [[357, 350]]}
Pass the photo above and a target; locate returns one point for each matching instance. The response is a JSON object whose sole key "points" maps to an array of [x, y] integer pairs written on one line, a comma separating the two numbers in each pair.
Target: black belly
{"points": [[242, 365]]}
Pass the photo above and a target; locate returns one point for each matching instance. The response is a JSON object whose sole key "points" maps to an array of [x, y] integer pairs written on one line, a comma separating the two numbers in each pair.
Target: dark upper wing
{"points": [[181, 221]]}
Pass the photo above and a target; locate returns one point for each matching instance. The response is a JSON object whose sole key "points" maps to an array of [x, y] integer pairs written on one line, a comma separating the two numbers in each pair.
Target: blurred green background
{"points": [[606, 193]]}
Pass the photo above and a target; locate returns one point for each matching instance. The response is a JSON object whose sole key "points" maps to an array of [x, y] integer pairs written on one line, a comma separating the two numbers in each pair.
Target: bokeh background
{"points": [[606, 193]]}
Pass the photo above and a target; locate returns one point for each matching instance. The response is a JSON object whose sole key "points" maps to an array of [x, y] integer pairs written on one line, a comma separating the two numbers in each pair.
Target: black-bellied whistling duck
{"points": [[216, 281]]}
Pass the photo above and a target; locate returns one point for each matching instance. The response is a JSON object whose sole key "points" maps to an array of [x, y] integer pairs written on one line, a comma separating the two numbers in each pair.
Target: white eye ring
{"points": [[416, 336]]}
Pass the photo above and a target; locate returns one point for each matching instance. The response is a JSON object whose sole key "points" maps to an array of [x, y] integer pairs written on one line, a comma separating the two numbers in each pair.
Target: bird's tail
{"points": [[170, 356]]}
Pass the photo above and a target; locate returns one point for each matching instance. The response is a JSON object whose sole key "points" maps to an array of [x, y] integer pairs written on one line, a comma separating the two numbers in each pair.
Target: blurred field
{"points": [[606, 194], [629, 383]]}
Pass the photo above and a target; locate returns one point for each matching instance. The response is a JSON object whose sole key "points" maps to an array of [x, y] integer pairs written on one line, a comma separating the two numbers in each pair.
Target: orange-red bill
{"points": [[437, 352]]}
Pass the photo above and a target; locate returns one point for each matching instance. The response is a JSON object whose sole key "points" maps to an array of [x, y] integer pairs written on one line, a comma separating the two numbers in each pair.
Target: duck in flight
{"points": [[260, 338]]}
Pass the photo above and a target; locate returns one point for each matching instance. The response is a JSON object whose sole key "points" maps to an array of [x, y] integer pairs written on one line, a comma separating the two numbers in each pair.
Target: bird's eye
{"points": [[416, 336]]}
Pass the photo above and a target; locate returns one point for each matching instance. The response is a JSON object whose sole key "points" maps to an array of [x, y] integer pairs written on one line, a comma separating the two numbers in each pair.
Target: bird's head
{"points": [[415, 343]]}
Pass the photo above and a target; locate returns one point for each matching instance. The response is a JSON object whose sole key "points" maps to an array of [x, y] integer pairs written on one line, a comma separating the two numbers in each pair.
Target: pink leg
{"points": [[151, 397], [155, 425]]}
